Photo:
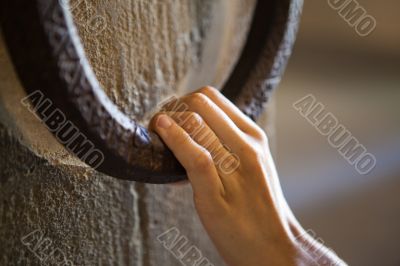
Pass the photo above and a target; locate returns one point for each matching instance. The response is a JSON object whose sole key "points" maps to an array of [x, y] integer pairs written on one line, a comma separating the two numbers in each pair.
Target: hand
{"points": [[236, 188]]}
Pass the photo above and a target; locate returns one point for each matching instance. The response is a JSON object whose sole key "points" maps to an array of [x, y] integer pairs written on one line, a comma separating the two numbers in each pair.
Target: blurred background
{"points": [[358, 80]]}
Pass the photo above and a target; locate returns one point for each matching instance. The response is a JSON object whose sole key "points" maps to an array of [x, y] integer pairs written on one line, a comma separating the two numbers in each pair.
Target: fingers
{"points": [[194, 158], [245, 123], [224, 128], [200, 132], [238, 117]]}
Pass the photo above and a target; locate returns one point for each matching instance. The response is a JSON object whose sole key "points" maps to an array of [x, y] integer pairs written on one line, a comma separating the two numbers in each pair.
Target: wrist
{"points": [[310, 249]]}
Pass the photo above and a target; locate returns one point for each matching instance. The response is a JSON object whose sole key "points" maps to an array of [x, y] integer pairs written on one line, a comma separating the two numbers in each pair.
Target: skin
{"points": [[236, 187]]}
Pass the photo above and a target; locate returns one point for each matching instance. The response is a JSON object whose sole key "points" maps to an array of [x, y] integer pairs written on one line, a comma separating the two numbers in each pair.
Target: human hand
{"points": [[236, 188]]}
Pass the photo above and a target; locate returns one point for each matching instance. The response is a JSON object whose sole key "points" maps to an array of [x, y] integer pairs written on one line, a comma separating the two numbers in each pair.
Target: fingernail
{"points": [[163, 121]]}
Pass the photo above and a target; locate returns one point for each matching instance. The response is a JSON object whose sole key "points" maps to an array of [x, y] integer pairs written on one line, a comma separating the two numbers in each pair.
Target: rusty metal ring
{"points": [[48, 56]]}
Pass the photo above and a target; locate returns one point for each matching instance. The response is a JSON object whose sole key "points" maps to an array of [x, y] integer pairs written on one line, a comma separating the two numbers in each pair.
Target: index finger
{"points": [[197, 161]]}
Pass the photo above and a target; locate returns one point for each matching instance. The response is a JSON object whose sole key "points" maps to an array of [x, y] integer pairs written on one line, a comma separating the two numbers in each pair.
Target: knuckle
{"points": [[260, 135], [208, 90], [197, 100], [195, 118], [252, 152], [203, 161], [192, 122]]}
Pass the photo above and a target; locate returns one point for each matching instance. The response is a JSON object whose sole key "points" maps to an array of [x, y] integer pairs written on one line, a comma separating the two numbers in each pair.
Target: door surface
{"points": [[106, 66]]}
